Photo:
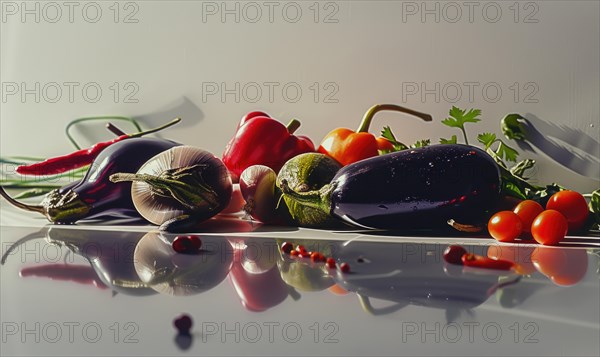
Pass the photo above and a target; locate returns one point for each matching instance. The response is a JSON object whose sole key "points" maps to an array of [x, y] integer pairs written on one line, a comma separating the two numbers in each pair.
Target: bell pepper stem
{"points": [[32, 208], [154, 130], [293, 125], [319, 199], [366, 121]]}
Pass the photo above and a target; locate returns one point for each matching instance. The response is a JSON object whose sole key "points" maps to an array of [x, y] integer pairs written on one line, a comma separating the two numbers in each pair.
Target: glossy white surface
{"points": [[416, 308]]}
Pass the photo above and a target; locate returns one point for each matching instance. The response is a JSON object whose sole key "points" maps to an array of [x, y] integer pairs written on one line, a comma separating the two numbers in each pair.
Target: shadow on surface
{"points": [[543, 135]]}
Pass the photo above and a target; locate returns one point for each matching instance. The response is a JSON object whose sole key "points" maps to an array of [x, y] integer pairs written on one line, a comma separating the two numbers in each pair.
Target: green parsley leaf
{"points": [[520, 168], [421, 143], [458, 118], [512, 128], [452, 140], [389, 135], [487, 139], [506, 152]]}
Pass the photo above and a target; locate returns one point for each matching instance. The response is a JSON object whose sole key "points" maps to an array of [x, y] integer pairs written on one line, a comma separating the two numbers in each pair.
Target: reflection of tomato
{"points": [[563, 266], [520, 255]]}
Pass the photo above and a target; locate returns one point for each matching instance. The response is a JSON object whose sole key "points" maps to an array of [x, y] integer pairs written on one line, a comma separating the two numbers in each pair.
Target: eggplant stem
{"points": [[366, 121], [31, 208], [319, 199]]}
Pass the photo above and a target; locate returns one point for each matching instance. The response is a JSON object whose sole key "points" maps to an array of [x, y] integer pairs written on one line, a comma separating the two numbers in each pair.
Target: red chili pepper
{"points": [[262, 140], [80, 158], [478, 261]]}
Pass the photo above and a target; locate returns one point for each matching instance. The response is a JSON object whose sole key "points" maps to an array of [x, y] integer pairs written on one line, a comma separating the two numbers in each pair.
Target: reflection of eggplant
{"points": [[255, 277], [110, 254], [171, 273], [95, 195], [392, 272]]}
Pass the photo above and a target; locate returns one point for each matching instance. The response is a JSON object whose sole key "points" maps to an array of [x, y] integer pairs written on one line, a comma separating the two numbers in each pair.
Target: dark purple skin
{"points": [[101, 195], [417, 188]]}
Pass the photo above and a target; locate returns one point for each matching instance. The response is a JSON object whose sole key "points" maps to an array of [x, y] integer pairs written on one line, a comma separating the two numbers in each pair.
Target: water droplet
{"points": [[383, 206], [428, 183], [591, 125], [431, 164]]}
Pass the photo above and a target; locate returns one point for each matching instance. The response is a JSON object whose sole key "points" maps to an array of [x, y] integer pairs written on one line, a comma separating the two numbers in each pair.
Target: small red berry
{"points": [[186, 244], [330, 262], [453, 254], [294, 253], [196, 242], [182, 244], [301, 249], [183, 324], [287, 247], [317, 257], [345, 267]]}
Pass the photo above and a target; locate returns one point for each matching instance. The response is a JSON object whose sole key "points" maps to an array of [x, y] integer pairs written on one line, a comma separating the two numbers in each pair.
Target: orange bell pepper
{"points": [[348, 146]]}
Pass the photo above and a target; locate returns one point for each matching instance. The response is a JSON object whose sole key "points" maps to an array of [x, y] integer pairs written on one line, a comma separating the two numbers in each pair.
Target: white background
{"points": [[172, 53]]}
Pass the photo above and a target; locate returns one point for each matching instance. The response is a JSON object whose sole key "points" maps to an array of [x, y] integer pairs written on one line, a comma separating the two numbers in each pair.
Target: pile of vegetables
{"points": [[353, 178]]}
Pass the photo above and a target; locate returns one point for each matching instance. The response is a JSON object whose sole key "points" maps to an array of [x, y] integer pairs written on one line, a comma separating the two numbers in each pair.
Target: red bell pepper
{"points": [[262, 140]]}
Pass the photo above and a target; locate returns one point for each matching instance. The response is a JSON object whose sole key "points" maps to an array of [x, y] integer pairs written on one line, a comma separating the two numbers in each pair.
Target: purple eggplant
{"points": [[410, 189], [95, 195]]}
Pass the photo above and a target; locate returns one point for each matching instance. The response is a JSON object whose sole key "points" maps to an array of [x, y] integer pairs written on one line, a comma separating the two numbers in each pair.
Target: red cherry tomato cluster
{"points": [[566, 211], [316, 257]]}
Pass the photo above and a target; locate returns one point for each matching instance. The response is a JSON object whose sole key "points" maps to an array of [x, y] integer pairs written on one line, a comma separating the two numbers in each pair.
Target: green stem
{"points": [[465, 135], [319, 199], [368, 117], [164, 126]]}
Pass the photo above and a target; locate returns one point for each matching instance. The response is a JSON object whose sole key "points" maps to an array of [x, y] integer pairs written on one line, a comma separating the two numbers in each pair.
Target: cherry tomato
{"points": [[549, 227], [527, 210], [572, 205], [564, 266], [505, 226]]}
